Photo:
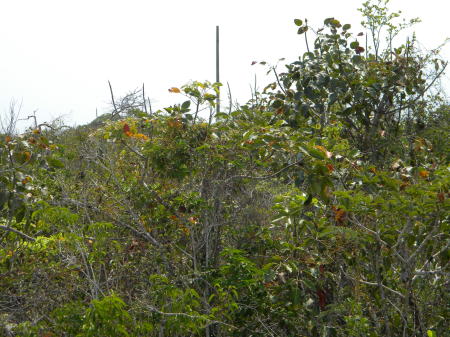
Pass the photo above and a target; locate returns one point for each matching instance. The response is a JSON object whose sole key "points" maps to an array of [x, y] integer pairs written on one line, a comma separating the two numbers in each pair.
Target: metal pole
{"points": [[217, 69]]}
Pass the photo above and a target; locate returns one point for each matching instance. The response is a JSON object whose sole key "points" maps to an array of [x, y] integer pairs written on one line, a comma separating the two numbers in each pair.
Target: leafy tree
{"points": [[319, 208]]}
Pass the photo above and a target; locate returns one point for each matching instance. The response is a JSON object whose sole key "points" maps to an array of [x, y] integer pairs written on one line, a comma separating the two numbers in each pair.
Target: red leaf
{"points": [[359, 50], [279, 111], [322, 298], [126, 128]]}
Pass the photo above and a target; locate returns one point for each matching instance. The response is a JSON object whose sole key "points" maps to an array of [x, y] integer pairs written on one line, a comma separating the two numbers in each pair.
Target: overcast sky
{"points": [[58, 55]]}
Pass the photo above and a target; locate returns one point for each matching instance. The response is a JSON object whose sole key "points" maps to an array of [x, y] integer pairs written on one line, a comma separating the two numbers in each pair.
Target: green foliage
{"points": [[106, 317], [319, 208]]}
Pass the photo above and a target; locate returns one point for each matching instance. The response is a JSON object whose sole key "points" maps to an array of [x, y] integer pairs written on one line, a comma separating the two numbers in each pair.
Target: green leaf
{"points": [[332, 98], [316, 153], [347, 26], [20, 213], [302, 30], [222, 115], [298, 22], [431, 333], [188, 117], [308, 200], [335, 23], [310, 93], [4, 196], [185, 105], [357, 59], [300, 178], [56, 163], [277, 104], [354, 44]]}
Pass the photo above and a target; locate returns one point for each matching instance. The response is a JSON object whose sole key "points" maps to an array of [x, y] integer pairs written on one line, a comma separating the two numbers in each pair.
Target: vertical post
{"points": [[217, 69]]}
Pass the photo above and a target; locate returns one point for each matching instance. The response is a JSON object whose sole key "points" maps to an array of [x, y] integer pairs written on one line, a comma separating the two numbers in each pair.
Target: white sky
{"points": [[56, 56]]}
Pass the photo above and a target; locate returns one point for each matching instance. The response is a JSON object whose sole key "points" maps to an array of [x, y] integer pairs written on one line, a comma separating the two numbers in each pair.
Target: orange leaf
{"points": [[330, 168], [269, 284], [424, 174], [26, 180], [174, 123], [324, 150], [175, 90], [140, 136], [7, 139], [404, 185], [339, 215]]}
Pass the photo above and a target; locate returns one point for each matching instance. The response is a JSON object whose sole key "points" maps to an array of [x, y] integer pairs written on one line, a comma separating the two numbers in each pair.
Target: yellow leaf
{"points": [[26, 180], [27, 155], [175, 90]]}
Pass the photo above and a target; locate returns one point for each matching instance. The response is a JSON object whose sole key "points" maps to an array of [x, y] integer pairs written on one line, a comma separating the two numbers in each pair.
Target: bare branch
{"points": [[182, 314], [278, 80], [143, 99], [23, 235], [112, 99], [267, 176], [375, 284]]}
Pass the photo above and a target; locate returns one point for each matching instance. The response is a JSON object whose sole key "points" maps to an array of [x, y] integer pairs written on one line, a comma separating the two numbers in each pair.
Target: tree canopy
{"points": [[318, 208]]}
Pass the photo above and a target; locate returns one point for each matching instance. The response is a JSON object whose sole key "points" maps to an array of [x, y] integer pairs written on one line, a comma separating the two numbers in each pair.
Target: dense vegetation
{"points": [[319, 208]]}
